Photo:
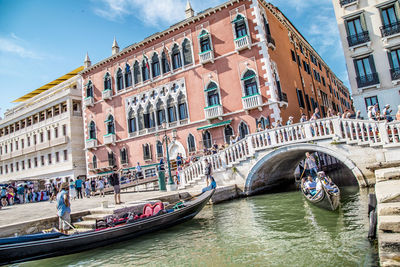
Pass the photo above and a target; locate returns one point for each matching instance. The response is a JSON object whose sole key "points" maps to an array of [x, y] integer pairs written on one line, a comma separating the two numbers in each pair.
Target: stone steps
{"points": [[88, 225], [391, 208], [389, 224], [389, 242]]}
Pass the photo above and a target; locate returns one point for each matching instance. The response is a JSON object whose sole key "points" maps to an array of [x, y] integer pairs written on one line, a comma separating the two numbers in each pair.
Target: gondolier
{"points": [[63, 209], [310, 165]]}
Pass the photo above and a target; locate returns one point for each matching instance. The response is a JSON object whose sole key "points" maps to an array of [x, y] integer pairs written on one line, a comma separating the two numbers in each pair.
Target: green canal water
{"points": [[266, 230]]}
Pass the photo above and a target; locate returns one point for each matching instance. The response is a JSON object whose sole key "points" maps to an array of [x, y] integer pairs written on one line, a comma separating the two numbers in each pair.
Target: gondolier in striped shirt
{"points": [[310, 165]]}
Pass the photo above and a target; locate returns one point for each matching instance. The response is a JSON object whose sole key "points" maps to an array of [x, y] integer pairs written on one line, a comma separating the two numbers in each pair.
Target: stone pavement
{"points": [[40, 210]]}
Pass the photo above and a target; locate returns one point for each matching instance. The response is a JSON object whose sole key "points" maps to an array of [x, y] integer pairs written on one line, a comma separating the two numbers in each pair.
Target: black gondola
{"points": [[67, 244], [326, 198]]}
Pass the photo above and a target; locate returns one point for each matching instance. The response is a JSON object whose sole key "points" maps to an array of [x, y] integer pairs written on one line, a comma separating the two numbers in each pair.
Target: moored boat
{"points": [[328, 197], [27, 248]]}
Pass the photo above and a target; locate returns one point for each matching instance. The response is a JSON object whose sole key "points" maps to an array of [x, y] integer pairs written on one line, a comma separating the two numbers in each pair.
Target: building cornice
{"points": [[159, 35]]}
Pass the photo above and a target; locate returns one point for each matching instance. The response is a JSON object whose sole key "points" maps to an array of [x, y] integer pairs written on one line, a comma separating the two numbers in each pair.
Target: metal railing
{"points": [[395, 73], [346, 2], [367, 80], [358, 38], [390, 29]]}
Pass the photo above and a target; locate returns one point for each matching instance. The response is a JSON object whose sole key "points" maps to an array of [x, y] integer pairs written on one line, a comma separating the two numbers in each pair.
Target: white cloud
{"points": [[16, 45], [151, 12]]}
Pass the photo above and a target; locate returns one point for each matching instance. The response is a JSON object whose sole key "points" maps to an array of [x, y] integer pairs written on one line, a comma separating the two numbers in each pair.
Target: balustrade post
{"points": [[250, 145], [307, 130], [272, 135], [383, 134], [222, 157], [336, 127]]}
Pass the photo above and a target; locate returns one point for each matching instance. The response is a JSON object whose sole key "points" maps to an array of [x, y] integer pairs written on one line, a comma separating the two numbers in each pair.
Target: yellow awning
{"points": [[49, 85]]}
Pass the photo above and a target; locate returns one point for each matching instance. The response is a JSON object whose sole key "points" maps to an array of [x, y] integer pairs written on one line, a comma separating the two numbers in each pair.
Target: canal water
{"points": [[267, 230]]}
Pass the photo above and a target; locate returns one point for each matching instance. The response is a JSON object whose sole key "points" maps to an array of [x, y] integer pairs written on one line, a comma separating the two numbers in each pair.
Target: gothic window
{"points": [[131, 121], [89, 89], [228, 132], [155, 65], [140, 118], [212, 94], [145, 70], [128, 76], [243, 130], [191, 143], [240, 26], [182, 109], [160, 113], [123, 156], [207, 139], [136, 72], [204, 39], [187, 52], [176, 57], [94, 162], [107, 81], [110, 125], [265, 122], [111, 159], [165, 63], [146, 152], [160, 152], [171, 111], [250, 83], [92, 130], [120, 81]]}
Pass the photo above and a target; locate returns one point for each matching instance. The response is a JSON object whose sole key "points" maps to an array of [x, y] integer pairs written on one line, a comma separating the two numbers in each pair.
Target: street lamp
{"points": [[165, 139]]}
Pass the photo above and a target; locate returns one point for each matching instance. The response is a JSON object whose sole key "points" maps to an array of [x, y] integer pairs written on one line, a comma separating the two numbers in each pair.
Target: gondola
{"points": [[325, 198], [34, 247]]}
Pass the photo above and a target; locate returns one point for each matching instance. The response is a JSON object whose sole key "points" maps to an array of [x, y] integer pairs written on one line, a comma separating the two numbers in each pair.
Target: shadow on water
{"points": [[265, 230]]}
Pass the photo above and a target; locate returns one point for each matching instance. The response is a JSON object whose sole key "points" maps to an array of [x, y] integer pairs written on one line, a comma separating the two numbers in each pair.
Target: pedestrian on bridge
{"points": [[207, 171]]}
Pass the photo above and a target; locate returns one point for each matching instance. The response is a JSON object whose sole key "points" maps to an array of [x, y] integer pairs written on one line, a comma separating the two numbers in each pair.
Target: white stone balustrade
{"points": [[252, 101], [213, 112], [107, 94], [88, 101], [207, 56], [109, 139], [350, 131], [91, 143], [242, 43]]}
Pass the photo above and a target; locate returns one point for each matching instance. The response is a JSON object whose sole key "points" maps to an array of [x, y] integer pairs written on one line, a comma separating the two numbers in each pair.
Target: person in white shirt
{"points": [[100, 186]]}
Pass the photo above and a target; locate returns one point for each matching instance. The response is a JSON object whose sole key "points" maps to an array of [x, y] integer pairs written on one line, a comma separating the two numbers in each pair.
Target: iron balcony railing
{"points": [[390, 29], [346, 2], [395, 73], [367, 80], [358, 38]]}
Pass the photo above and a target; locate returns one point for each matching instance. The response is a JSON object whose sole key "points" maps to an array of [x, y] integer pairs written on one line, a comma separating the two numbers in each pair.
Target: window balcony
{"points": [[359, 38], [252, 101], [242, 43], [206, 56], [109, 139], [283, 97], [346, 2], [214, 111], [91, 143], [107, 94], [367, 80], [390, 29], [88, 101], [395, 73], [271, 41]]}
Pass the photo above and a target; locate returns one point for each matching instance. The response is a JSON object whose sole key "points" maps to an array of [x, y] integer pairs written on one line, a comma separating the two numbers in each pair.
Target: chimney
{"points": [[115, 48], [189, 12]]}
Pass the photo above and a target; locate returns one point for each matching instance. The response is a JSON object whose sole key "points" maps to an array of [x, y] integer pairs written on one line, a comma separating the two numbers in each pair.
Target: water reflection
{"points": [[267, 230]]}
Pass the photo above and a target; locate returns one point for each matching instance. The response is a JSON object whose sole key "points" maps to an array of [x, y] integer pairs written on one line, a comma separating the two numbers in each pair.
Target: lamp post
{"points": [[165, 139]]}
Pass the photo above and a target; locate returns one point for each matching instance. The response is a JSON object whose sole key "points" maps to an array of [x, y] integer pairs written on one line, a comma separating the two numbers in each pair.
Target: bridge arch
{"points": [[281, 163]]}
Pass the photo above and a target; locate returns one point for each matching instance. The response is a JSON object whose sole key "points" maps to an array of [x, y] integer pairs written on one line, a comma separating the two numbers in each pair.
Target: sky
{"points": [[41, 40]]}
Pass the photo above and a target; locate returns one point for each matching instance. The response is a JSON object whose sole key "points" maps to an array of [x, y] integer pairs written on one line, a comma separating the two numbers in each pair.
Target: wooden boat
{"points": [[43, 247], [325, 198]]}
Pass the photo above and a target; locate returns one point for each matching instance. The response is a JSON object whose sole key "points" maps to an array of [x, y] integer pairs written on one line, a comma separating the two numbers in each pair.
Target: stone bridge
{"points": [[264, 159]]}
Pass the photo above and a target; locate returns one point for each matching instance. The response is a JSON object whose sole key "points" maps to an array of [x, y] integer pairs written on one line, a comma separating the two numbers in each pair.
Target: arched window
{"points": [[160, 152], [171, 110], [250, 83], [89, 89], [120, 81], [155, 65], [160, 112], [92, 130], [204, 39], [187, 52], [243, 130], [128, 76], [107, 81], [148, 117], [111, 159], [191, 143], [176, 57], [240, 26], [212, 94], [265, 122], [228, 132], [136, 72], [145, 70], [207, 139], [140, 118], [94, 162], [165, 63], [131, 121], [182, 110], [110, 125], [146, 152], [123, 156]]}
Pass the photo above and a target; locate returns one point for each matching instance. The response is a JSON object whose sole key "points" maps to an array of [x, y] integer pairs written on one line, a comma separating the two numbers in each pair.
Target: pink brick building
{"points": [[208, 77]]}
